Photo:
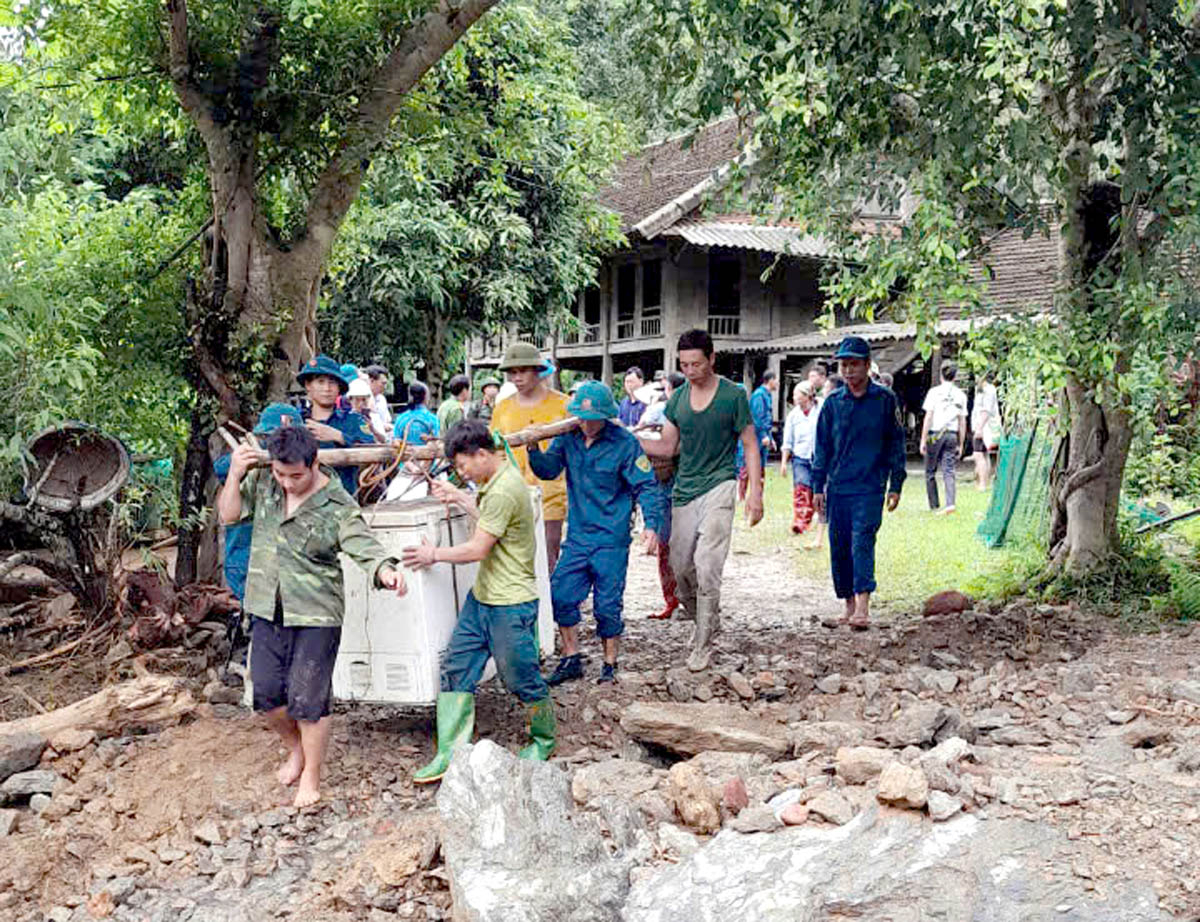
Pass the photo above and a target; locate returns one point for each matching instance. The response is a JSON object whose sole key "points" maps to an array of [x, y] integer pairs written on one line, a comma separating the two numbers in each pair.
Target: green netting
{"points": [[1019, 506]]}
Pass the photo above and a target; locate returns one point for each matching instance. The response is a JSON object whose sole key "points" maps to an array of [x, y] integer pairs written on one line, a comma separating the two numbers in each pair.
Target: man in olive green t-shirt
{"points": [[499, 617], [706, 418]]}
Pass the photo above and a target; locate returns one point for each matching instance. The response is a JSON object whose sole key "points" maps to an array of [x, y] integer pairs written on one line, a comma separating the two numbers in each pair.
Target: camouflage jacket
{"points": [[299, 555]]}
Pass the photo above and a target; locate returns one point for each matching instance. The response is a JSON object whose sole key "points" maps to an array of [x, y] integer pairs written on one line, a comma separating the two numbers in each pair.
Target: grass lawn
{"points": [[918, 553]]}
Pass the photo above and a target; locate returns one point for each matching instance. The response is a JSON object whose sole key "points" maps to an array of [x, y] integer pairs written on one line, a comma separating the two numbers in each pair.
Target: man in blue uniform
{"points": [[762, 411], [859, 451], [606, 471], [331, 425]]}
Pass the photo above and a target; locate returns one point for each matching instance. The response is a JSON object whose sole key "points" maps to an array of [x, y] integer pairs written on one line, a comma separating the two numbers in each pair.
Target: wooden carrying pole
{"points": [[374, 454]]}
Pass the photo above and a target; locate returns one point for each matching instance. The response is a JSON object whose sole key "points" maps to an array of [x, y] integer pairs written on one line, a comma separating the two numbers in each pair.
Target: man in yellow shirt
{"points": [[534, 404]]}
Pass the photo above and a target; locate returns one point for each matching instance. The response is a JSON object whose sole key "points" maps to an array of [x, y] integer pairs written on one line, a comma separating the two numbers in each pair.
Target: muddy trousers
{"points": [[666, 576], [700, 533], [854, 520]]}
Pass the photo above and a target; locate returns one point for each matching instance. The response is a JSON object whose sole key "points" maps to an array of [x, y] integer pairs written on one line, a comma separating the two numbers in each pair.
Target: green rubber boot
{"points": [[455, 724], [542, 727]]}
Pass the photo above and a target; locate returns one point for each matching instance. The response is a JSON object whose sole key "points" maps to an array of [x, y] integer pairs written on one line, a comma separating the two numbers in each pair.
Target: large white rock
{"points": [[515, 853], [882, 865], [693, 728]]}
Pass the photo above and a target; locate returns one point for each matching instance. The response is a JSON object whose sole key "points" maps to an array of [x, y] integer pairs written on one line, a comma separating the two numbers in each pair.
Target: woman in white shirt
{"points": [[985, 428], [799, 440]]}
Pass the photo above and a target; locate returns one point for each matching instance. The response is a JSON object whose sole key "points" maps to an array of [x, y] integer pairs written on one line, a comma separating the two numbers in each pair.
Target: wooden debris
{"points": [[144, 703]]}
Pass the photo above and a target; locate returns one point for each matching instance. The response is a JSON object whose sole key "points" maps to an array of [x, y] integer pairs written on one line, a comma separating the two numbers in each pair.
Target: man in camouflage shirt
{"points": [[302, 519]]}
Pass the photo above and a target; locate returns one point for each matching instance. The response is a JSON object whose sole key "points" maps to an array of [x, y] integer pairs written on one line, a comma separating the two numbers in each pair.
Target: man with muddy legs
{"points": [[303, 519], [859, 450], [706, 419]]}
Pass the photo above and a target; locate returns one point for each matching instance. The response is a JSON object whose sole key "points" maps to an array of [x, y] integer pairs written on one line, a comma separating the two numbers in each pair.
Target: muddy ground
{"points": [[1097, 733]]}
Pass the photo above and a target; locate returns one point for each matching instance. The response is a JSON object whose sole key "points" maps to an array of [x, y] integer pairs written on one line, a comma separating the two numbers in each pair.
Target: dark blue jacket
{"points": [[630, 412], [860, 443], [602, 483], [356, 431]]}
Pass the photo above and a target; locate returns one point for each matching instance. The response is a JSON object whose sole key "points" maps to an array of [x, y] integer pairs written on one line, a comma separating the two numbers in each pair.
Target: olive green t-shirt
{"points": [[449, 413], [506, 575], [707, 440]]}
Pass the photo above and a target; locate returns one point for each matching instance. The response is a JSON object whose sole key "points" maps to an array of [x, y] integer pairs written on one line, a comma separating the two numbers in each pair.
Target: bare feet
{"points": [[290, 771], [309, 792]]}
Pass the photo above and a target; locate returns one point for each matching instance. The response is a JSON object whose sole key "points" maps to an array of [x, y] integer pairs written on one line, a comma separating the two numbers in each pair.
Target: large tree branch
{"points": [[422, 46], [194, 102]]}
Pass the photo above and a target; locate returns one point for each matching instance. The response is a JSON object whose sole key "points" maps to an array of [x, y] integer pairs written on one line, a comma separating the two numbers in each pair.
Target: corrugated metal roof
{"points": [[767, 238], [819, 340]]}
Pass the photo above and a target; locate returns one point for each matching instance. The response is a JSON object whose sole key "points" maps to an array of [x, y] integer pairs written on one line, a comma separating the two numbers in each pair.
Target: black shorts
{"points": [[979, 446], [293, 667]]}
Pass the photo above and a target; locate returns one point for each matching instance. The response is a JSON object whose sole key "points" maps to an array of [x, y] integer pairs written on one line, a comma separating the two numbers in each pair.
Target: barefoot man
{"points": [[859, 448], [706, 419], [302, 519]]}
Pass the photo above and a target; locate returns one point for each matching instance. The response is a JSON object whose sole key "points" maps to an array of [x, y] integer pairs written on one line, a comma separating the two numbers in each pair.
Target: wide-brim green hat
{"points": [[323, 365], [521, 355], [593, 400]]}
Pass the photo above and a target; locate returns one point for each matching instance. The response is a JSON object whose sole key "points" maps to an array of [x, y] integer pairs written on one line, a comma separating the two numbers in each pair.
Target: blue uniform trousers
{"points": [[854, 520], [600, 570], [503, 632]]}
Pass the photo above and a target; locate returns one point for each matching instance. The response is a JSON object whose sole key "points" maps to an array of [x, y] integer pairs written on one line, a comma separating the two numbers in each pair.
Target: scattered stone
{"points": [[955, 725], [1120, 718], [740, 685], [734, 796], [942, 806], [832, 806], [1018, 736], [990, 719], [759, 818], [704, 693], [859, 764], [8, 822], [679, 690], [26, 784], [117, 652], [692, 728], [794, 815], [1185, 690], [872, 684], [950, 602], [19, 751], [1078, 679], [695, 800], [512, 851], [1187, 758], [915, 725], [830, 684], [71, 740], [39, 802], [623, 778], [675, 839], [902, 785], [206, 831], [828, 735]]}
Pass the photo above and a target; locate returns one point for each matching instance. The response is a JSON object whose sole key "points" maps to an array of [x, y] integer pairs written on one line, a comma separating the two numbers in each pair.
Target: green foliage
{"points": [[482, 210]]}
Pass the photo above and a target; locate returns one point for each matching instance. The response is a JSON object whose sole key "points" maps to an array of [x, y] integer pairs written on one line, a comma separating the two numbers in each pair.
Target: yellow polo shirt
{"points": [[508, 417]]}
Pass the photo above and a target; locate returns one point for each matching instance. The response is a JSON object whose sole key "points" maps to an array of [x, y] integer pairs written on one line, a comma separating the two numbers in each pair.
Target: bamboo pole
{"points": [[374, 454]]}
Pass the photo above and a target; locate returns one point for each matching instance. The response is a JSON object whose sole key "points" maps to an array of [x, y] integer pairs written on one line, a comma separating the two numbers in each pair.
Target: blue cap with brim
{"points": [[324, 365], [275, 416], [593, 400], [854, 347]]}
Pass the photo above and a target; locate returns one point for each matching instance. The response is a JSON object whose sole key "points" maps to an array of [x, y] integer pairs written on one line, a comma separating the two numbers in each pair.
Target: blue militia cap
{"points": [[853, 347], [324, 365], [276, 415]]}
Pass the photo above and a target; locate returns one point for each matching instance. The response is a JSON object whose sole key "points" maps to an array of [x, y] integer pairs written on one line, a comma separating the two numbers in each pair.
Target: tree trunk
{"points": [[197, 468], [1086, 492], [146, 703]]}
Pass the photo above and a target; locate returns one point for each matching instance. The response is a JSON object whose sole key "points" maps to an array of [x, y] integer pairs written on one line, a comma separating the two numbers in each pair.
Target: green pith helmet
{"points": [[521, 355]]}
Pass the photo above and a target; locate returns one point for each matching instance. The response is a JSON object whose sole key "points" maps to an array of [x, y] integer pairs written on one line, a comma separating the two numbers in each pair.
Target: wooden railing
{"points": [[625, 329], [724, 326], [652, 326]]}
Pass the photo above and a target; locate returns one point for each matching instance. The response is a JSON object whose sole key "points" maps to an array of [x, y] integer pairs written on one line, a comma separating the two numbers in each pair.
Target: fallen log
{"points": [[139, 704], [375, 454]]}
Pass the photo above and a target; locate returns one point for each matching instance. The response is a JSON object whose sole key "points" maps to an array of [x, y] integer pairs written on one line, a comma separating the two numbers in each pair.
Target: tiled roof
{"points": [[1019, 272], [660, 173], [818, 340]]}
